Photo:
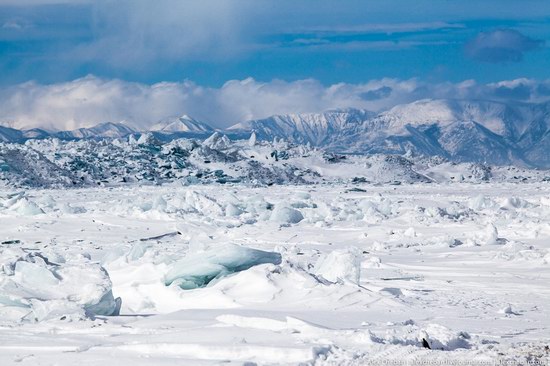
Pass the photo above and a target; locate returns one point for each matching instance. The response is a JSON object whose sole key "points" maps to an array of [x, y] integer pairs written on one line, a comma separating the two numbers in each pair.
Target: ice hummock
{"points": [[32, 288], [20, 204], [200, 268], [340, 265], [286, 215]]}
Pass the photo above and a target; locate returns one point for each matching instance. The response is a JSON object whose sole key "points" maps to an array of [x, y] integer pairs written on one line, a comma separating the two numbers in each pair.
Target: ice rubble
{"points": [[507, 310], [286, 215], [486, 236], [18, 203], [25, 207], [198, 269], [490, 235], [57, 163], [340, 265], [442, 338], [142, 283], [302, 282], [33, 288]]}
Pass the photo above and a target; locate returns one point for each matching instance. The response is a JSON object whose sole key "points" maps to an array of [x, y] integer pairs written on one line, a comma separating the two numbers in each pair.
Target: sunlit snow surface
{"points": [[336, 275]]}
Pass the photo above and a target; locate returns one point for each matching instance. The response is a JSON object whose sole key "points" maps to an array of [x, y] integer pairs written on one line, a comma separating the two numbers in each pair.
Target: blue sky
{"points": [[211, 42], [331, 41]]}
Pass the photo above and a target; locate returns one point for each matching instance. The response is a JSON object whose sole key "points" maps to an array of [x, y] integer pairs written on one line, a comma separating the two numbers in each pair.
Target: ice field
{"points": [[318, 274]]}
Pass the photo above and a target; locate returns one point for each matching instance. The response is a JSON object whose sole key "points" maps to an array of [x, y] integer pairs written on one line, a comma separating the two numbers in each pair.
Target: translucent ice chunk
{"points": [[32, 288], [26, 208], [198, 269], [232, 210], [34, 275], [138, 250]]}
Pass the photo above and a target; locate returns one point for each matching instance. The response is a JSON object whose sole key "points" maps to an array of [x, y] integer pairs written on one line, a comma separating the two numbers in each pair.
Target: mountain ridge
{"points": [[478, 131], [184, 123]]}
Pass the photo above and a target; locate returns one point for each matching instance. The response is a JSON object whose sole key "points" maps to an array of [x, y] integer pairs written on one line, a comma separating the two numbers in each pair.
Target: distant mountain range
{"points": [[183, 124], [473, 131], [460, 130], [317, 129], [102, 130]]}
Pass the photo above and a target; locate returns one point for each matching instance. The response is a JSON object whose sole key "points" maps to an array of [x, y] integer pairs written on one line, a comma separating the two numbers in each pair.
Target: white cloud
{"points": [[382, 28], [131, 34], [88, 101], [501, 45], [41, 2]]}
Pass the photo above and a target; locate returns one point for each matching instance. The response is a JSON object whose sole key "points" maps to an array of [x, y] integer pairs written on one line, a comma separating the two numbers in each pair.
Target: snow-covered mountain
{"points": [[8, 134], [102, 130], [184, 124], [166, 129], [459, 130], [317, 129], [507, 120], [478, 131], [36, 133]]}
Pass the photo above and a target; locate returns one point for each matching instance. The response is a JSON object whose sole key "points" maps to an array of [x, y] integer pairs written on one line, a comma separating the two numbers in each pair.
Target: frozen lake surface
{"points": [[319, 274]]}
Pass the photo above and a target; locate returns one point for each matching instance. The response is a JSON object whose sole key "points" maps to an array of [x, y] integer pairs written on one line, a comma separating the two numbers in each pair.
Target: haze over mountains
{"points": [[460, 130]]}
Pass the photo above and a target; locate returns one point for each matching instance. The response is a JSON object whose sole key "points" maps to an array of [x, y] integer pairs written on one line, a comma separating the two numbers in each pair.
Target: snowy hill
{"points": [[8, 134], [36, 133], [181, 124], [102, 130]]}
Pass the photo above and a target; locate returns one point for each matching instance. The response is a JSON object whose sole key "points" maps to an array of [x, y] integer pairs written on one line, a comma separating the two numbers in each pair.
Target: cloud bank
{"points": [[503, 45], [137, 32], [88, 101]]}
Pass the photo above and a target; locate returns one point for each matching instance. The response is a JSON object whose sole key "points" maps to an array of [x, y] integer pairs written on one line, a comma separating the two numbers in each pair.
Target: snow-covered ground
{"points": [[341, 274]]}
